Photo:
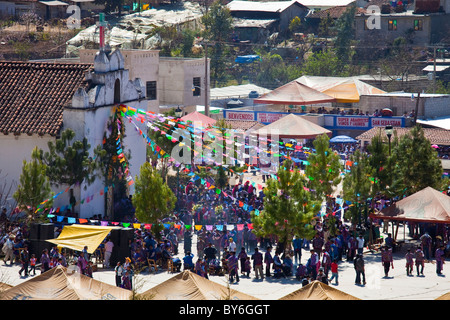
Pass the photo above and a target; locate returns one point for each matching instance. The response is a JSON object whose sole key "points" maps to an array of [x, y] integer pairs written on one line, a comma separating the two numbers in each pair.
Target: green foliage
{"points": [[415, 164], [221, 180], [326, 26], [34, 186], [107, 161], [295, 24], [218, 27], [324, 63], [324, 168], [68, 161], [153, 199], [358, 183], [345, 29], [274, 71], [379, 162], [288, 207]]}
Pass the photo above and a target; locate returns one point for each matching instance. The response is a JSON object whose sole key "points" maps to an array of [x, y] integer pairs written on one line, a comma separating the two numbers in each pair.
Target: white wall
{"points": [[16, 149]]}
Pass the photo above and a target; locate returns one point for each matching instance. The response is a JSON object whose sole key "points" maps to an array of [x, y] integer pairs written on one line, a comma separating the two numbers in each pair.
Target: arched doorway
{"points": [[117, 91]]}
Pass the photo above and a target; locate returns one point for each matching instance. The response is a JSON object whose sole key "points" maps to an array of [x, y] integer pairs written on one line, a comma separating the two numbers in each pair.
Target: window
{"points": [[196, 87], [418, 25], [151, 90], [392, 25]]}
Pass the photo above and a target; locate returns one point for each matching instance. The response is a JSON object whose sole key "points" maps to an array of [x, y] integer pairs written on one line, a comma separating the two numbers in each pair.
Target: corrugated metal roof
{"points": [[325, 3], [256, 6], [252, 23], [240, 91]]}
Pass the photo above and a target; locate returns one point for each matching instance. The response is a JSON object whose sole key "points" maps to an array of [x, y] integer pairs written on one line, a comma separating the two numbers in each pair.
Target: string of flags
{"points": [[152, 120], [148, 226]]}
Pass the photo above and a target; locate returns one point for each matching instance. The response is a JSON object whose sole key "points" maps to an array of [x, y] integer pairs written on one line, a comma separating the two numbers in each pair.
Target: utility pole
{"points": [[416, 111], [206, 68], [434, 70], [206, 81]]}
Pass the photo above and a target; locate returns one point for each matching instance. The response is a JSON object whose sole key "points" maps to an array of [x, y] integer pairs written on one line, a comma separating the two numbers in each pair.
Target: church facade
{"points": [[41, 99]]}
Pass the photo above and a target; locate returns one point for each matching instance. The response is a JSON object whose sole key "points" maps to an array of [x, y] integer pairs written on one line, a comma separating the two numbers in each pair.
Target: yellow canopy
{"points": [[78, 236], [343, 89]]}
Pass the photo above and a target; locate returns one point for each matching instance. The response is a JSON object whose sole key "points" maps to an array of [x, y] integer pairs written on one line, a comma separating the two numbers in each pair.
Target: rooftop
{"points": [[258, 6], [34, 95], [436, 136]]}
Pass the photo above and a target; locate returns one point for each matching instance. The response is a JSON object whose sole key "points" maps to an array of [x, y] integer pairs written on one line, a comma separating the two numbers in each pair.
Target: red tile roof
{"points": [[436, 136], [34, 94], [334, 12]]}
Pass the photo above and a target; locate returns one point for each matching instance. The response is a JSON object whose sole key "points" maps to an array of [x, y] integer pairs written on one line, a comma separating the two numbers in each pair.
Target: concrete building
{"points": [[430, 105], [422, 24], [168, 81], [256, 20]]}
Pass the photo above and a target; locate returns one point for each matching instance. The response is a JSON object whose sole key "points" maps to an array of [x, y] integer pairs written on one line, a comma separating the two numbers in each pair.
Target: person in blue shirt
{"points": [[188, 261], [297, 244]]}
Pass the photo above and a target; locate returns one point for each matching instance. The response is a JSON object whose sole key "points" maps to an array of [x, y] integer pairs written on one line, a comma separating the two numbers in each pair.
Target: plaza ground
{"points": [[398, 286]]}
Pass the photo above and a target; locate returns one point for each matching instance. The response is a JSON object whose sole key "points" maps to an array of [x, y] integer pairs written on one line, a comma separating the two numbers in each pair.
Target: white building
{"points": [[168, 81], [41, 99]]}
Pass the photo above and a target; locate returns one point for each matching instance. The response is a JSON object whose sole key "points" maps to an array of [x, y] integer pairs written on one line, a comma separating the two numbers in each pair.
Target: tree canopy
{"points": [[288, 207], [34, 186], [153, 199]]}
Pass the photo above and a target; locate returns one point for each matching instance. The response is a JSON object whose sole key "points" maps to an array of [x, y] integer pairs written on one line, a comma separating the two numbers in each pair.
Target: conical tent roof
{"points": [[343, 89], [60, 283], [445, 296], [294, 93], [199, 117], [293, 127], [318, 290], [190, 286], [426, 205]]}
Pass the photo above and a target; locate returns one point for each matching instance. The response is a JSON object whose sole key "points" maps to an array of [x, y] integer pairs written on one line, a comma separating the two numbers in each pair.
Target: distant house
{"points": [[44, 9], [255, 21], [314, 18], [317, 5], [414, 21]]}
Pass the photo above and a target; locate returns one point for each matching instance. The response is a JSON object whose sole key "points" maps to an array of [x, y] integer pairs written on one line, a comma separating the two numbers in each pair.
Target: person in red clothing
{"points": [[334, 272]]}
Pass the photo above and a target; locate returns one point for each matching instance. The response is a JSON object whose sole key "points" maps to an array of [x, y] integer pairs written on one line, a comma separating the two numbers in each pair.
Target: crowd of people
{"points": [[358, 112], [227, 244]]}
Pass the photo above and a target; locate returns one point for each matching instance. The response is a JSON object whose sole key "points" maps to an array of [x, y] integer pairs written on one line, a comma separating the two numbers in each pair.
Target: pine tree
{"points": [[415, 164], [34, 187], [68, 161], [288, 207], [358, 184], [379, 162], [153, 199], [324, 169]]}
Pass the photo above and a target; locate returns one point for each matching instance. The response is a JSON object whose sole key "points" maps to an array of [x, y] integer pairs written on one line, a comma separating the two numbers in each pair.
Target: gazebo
{"points": [[199, 118], [427, 205], [292, 126]]}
